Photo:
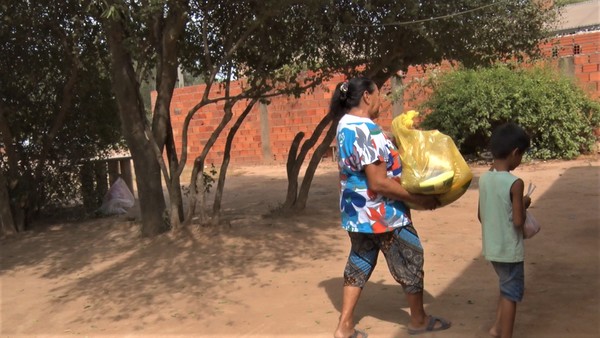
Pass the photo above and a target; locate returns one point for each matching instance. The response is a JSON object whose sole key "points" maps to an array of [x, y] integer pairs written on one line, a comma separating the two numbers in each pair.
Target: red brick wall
{"points": [[586, 64], [287, 116]]}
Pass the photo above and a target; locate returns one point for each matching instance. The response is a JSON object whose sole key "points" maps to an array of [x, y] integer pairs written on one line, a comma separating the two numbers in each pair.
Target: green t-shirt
{"points": [[502, 241]]}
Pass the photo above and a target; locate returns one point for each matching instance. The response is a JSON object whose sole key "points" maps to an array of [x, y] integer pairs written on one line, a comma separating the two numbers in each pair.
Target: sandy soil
{"points": [[281, 276]]}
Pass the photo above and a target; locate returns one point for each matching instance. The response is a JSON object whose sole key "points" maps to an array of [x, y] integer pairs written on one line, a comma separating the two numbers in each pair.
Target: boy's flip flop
{"points": [[444, 324]]}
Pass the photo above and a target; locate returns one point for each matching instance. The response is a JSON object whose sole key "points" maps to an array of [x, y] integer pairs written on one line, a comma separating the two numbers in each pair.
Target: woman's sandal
{"points": [[356, 334], [444, 324]]}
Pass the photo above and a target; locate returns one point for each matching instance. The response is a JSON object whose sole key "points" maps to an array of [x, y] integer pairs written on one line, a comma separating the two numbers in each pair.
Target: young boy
{"points": [[501, 212]]}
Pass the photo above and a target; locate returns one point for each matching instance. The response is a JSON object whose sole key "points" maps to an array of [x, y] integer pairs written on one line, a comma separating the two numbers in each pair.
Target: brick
{"points": [[581, 59], [590, 68], [583, 77], [594, 58], [587, 38], [594, 76]]}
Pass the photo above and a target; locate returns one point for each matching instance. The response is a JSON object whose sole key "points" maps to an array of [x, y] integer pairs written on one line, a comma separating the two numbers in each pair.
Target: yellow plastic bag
{"points": [[431, 162]]}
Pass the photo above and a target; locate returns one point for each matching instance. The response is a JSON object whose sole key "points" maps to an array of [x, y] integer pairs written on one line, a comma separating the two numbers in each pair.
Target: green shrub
{"points": [[469, 104]]}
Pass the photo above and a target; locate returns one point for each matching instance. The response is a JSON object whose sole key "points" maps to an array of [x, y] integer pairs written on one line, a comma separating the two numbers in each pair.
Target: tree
{"points": [[305, 40], [380, 38], [56, 107], [142, 36], [300, 55], [201, 37]]}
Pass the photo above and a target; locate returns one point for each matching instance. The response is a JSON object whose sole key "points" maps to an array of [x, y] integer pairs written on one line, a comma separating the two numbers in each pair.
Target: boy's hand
{"points": [[526, 201]]}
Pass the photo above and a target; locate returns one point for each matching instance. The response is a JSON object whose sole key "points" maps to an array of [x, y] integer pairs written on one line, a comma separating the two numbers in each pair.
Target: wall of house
{"points": [[578, 55], [267, 132]]}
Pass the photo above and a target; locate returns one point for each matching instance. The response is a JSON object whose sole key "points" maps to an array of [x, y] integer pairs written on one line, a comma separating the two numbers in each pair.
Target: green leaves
{"points": [[110, 12], [468, 104], [393, 35], [56, 96]]}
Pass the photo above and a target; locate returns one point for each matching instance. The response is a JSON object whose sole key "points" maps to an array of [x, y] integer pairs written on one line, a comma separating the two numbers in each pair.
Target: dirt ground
{"points": [[282, 277]]}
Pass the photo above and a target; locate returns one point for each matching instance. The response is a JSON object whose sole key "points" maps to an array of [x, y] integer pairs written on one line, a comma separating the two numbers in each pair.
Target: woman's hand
{"points": [[378, 182], [429, 202]]}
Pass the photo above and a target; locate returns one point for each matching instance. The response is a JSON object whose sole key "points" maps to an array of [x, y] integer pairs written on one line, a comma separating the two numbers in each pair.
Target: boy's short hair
{"points": [[508, 137]]}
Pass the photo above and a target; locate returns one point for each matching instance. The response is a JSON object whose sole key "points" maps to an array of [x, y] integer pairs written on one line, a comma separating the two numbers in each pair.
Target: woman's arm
{"points": [[378, 182]]}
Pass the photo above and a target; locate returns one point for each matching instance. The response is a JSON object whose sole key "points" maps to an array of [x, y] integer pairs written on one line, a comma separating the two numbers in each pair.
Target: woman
{"points": [[372, 207]]}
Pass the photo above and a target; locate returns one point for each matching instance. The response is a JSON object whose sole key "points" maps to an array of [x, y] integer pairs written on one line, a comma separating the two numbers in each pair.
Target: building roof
{"points": [[578, 17]]}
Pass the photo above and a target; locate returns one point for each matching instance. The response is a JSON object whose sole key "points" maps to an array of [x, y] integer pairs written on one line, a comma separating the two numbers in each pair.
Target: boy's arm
{"points": [[518, 207]]}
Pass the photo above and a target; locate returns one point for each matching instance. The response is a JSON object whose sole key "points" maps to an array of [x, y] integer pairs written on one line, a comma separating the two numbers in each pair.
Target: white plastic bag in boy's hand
{"points": [[531, 226]]}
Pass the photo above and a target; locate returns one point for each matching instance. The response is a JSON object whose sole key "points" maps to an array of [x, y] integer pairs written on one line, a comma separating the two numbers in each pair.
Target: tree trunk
{"points": [[216, 214], [7, 224], [199, 163], [166, 33], [176, 199], [312, 166], [9, 220], [193, 193], [133, 119], [150, 191], [20, 217], [292, 172], [296, 164]]}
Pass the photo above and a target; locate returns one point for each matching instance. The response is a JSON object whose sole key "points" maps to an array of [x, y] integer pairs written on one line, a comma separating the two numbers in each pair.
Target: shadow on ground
{"points": [[121, 276], [562, 271], [378, 300], [562, 268]]}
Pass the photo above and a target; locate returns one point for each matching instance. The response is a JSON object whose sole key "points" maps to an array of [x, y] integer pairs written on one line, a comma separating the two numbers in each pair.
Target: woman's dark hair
{"points": [[508, 137], [347, 95]]}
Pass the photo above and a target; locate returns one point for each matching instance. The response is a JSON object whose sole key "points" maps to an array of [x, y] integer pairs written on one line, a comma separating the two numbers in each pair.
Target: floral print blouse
{"points": [[361, 142]]}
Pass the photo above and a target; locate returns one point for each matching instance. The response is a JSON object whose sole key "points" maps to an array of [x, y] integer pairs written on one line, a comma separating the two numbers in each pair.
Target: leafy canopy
{"points": [[559, 116], [55, 95], [388, 36]]}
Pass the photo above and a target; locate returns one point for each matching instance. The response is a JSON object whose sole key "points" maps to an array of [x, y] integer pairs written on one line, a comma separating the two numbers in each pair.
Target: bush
{"points": [[468, 104]]}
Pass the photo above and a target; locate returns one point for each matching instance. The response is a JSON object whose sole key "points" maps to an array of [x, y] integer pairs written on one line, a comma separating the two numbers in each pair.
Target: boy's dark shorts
{"points": [[512, 280]]}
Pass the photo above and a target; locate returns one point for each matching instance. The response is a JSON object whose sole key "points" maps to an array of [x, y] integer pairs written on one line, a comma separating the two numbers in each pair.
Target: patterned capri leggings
{"points": [[402, 250]]}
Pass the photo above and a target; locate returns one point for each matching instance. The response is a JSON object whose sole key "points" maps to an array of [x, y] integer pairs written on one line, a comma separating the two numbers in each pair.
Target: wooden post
{"points": [[86, 176], [398, 106], [113, 171], [101, 180], [126, 173], [265, 134]]}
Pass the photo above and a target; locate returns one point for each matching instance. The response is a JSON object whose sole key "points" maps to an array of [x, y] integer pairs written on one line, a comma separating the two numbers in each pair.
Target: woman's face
{"points": [[374, 103]]}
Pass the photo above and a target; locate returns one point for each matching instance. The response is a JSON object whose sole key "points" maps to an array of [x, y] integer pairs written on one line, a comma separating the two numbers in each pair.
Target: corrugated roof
{"points": [[579, 16]]}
